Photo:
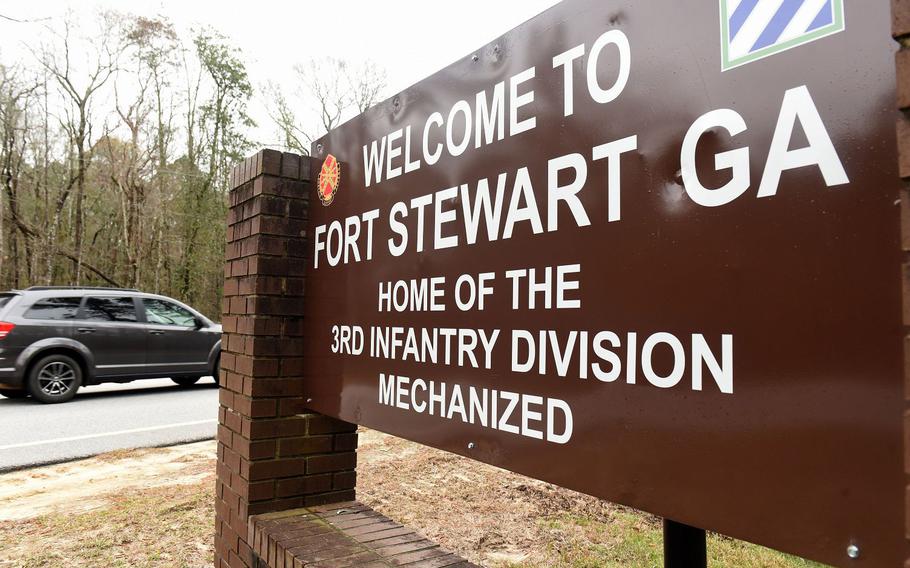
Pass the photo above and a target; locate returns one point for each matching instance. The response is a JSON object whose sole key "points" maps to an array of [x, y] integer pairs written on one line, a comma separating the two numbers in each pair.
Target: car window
{"points": [[54, 309], [167, 313], [109, 309], [4, 300]]}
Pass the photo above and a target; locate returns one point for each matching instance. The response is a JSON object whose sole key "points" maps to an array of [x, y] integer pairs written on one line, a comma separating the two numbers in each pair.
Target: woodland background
{"points": [[117, 136]]}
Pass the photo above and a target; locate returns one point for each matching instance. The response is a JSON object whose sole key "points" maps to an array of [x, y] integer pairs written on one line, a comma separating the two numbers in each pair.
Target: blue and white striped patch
{"points": [[753, 29]]}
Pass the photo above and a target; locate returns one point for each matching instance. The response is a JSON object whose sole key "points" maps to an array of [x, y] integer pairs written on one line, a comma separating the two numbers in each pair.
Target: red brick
{"points": [[902, 60], [277, 505], [333, 497], [224, 435], [235, 561], [254, 450], [229, 536], [267, 325], [297, 208], [231, 460], [304, 445], [262, 346], [232, 381], [263, 244], [277, 387], [290, 165], [263, 285], [306, 168], [275, 469], [278, 427], [345, 442], [295, 286], [305, 485], [331, 462], [903, 146], [263, 408], [291, 406], [344, 480], [319, 424], [245, 553], [237, 305], [291, 366], [232, 420], [265, 368], [262, 491], [270, 162]]}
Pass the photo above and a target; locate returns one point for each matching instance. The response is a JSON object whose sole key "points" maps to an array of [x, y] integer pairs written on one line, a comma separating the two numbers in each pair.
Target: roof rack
{"points": [[37, 288]]}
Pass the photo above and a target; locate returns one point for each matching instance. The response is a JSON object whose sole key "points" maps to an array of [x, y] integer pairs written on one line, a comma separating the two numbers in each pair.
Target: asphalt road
{"points": [[106, 417]]}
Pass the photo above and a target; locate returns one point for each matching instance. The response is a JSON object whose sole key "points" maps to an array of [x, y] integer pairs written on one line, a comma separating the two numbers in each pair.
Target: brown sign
{"points": [[634, 252]]}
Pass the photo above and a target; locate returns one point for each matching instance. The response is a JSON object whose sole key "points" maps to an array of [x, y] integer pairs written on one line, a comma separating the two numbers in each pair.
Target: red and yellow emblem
{"points": [[329, 177]]}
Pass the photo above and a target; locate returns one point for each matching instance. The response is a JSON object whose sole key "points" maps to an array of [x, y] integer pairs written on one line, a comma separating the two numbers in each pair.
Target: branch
{"points": [[18, 21], [32, 233], [78, 261]]}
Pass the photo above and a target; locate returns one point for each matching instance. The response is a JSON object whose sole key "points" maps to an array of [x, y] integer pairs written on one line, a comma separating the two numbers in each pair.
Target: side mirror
{"points": [[199, 323]]}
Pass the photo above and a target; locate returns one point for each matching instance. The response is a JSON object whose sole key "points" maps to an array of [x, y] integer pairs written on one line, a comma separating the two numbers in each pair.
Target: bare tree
{"points": [[293, 136], [79, 87], [330, 90], [16, 100], [157, 45], [366, 83], [16, 96]]}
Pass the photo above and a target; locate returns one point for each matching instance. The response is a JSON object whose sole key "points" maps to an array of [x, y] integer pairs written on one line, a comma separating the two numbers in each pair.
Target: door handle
{"points": [[156, 332], [85, 330]]}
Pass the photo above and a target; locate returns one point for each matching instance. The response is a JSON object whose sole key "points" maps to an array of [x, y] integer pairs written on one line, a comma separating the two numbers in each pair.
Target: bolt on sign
{"points": [[645, 250]]}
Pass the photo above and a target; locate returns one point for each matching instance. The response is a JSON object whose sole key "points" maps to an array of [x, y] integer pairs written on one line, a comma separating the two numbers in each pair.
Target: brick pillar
{"points": [[900, 29], [272, 453]]}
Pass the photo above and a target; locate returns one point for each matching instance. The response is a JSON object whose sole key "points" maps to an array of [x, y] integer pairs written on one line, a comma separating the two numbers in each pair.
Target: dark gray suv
{"points": [[54, 340]]}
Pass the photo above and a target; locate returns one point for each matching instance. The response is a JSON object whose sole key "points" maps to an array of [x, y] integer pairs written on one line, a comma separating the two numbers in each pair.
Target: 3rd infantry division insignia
{"points": [[754, 29], [329, 176]]}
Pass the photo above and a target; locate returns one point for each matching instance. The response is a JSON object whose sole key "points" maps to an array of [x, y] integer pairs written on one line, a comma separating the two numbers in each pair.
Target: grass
{"points": [[631, 539], [154, 528]]}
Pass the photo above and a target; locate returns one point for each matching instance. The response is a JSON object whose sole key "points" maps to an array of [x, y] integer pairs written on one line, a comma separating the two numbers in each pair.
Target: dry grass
{"points": [[141, 528], [497, 518], [488, 515]]}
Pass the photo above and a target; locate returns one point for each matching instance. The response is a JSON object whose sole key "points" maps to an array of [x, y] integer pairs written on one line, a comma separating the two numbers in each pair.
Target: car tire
{"points": [[216, 370], [186, 381], [54, 379], [12, 393]]}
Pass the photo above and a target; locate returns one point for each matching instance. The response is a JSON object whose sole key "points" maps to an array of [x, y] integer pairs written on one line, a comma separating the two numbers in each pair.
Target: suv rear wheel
{"points": [[185, 381], [54, 378]]}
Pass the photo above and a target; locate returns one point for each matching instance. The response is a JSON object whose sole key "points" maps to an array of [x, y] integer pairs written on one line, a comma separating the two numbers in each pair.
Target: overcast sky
{"points": [[409, 38]]}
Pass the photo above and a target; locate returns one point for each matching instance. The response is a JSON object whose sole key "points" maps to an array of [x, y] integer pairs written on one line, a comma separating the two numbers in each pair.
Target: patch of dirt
{"points": [[488, 515], [88, 484]]}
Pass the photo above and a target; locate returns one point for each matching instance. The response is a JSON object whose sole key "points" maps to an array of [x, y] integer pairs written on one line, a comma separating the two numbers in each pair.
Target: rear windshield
{"points": [[54, 309]]}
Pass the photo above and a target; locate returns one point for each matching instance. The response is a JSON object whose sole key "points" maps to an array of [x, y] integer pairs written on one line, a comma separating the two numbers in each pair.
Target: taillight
{"points": [[5, 328]]}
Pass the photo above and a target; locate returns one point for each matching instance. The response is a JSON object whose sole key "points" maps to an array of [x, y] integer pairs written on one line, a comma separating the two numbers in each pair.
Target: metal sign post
{"points": [[684, 546]]}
